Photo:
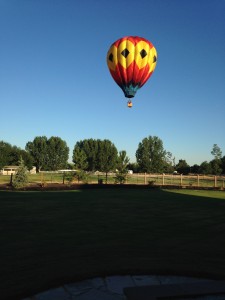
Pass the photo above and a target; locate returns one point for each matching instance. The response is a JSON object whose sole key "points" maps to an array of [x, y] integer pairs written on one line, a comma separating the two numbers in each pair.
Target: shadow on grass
{"points": [[50, 238]]}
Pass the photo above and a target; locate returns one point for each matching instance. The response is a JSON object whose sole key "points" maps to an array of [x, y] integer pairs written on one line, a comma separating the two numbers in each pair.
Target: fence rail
{"points": [[179, 180], [136, 178]]}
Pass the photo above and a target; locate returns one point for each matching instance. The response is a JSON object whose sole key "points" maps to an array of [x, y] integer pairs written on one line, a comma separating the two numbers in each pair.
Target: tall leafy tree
{"points": [[48, 154], [80, 158], [5, 152], [122, 162], [99, 155], [86, 150], [38, 151], [18, 154], [107, 156], [122, 166], [150, 155], [216, 163], [90, 147], [57, 154], [11, 155], [169, 160], [216, 152]]}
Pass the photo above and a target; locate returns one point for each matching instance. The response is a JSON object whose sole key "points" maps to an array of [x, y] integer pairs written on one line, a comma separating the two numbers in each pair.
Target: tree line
{"points": [[102, 155]]}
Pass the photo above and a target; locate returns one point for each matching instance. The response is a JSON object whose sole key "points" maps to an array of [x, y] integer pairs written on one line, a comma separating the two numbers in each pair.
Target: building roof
{"points": [[10, 167]]}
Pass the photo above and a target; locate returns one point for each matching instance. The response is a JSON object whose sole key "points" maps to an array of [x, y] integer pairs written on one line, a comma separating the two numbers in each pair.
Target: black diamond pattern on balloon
{"points": [[125, 52], [111, 57], [154, 58], [143, 53]]}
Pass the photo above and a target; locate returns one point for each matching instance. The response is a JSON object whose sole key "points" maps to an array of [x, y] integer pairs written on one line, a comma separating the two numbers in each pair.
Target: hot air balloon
{"points": [[131, 61]]}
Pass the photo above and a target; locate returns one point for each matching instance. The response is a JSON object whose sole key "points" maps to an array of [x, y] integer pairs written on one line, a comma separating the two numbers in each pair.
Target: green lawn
{"points": [[49, 238]]}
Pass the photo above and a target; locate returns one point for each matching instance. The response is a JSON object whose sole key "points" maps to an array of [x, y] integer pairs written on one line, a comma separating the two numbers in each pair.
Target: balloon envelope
{"points": [[131, 61]]}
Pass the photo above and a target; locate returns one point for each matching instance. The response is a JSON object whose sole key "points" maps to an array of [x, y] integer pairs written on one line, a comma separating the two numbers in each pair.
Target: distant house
{"points": [[8, 170]]}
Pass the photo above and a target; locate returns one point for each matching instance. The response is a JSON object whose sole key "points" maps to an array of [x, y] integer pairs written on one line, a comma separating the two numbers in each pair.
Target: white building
{"points": [[8, 170]]}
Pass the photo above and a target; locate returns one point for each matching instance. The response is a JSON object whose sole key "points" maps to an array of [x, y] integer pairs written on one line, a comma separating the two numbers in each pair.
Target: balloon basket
{"points": [[129, 104]]}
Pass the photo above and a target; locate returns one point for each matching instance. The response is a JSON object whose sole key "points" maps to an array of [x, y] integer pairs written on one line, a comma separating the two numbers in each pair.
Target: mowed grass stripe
{"points": [[49, 238]]}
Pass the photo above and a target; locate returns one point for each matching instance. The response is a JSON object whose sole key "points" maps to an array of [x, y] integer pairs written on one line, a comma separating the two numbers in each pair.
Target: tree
{"points": [[17, 153], [195, 169], [79, 158], [91, 149], [20, 179], [57, 154], [27, 158], [48, 154], [151, 155], [168, 165], [223, 164], [122, 166], [205, 168], [5, 151], [100, 155], [107, 156], [122, 162], [38, 151], [216, 152], [87, 148], [182, 167], [216, 163], [134, 167], [216, 166], [10, 155]]}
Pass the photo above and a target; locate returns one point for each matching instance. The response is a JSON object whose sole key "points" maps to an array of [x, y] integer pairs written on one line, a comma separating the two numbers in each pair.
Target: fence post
{"points": [[163, 178], [145, 177], [215, 181], [11, 179], [197, 180], [180, 179], [42, 178]]}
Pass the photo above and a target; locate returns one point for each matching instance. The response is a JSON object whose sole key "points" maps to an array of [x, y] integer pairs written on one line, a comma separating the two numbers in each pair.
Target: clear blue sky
{"points": [[54, 79]]}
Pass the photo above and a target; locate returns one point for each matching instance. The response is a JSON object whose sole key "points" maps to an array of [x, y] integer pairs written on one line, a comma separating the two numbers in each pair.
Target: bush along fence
{"points": [[164, 180]]}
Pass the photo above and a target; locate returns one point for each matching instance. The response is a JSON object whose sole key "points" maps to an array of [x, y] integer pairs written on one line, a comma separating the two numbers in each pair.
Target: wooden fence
{"points": [[192, 181], [178, 180], [144, 179]]}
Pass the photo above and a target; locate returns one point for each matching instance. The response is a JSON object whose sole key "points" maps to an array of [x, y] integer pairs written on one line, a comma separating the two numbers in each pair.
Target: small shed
{"points": [[8, 170]]}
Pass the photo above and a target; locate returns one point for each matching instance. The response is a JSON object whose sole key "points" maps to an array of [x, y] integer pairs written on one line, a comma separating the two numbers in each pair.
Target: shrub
{"points": [[21, 178], [69, 177], [81, 176], [151, 182], [120, 178]]}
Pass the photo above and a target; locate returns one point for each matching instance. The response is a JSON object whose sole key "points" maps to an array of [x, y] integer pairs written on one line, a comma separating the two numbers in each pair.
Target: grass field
{"points": [[50, 238]]}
